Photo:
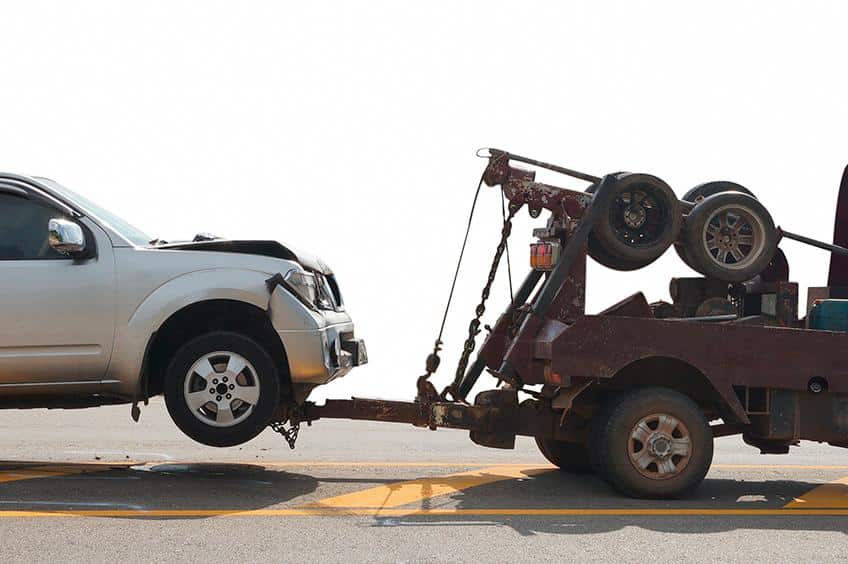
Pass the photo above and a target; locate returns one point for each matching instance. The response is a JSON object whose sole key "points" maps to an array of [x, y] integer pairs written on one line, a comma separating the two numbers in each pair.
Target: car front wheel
{"points": [[221, 388]]}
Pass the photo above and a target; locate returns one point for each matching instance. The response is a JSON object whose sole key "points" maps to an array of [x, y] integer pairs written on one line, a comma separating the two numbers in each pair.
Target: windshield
{"points": [[129, 232]]}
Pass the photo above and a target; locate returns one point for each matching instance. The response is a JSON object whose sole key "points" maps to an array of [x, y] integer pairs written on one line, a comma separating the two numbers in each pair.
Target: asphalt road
{"points": [[93, 486]]}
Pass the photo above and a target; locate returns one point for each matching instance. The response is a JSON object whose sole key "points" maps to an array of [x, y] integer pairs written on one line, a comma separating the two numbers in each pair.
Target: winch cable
{"points": [[426, 391], [433, 359]]}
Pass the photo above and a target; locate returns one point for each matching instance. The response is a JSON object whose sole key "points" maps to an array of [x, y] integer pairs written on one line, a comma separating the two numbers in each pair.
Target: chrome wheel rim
{"points": [[221, 389], [659, 446], [733, 237]]}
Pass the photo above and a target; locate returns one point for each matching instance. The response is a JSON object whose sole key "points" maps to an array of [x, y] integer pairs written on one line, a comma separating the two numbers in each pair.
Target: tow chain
{"points": [[474, 326], [289, 434], [426, 391], [293, 414]]}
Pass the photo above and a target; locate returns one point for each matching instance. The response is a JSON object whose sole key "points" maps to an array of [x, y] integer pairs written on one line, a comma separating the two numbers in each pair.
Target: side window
{"points": [[23, 229]]}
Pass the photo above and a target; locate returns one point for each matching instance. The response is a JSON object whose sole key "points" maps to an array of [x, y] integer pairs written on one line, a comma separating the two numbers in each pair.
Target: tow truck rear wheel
{"points": [[653, 443], [568, 456]]}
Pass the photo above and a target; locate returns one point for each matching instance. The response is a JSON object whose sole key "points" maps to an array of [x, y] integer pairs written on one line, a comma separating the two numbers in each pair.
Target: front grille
{"points": [[334, 287]]}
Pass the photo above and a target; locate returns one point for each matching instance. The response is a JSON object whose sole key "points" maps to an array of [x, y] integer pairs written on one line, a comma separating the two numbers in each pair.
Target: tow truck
{"points": [[638, 392]]}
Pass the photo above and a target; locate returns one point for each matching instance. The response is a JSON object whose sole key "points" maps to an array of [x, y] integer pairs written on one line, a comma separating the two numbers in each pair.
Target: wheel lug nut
{"points": [[215, 381], [225, 378], [229, 396], [218, 398], [232, 387]]}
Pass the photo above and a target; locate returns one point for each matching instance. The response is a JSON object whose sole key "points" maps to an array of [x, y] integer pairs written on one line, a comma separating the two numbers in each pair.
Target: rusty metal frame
{"points": [[550, 340]]}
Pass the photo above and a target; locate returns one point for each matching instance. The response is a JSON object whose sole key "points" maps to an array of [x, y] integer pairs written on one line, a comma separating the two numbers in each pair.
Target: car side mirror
{"points": [[66, 237]]}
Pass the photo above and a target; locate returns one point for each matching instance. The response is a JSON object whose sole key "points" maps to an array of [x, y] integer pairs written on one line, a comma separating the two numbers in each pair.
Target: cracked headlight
{"points": [[303, 285]]}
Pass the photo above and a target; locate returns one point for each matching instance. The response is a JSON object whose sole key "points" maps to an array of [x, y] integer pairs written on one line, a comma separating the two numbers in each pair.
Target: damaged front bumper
{"points": [[319, 356], [320, 345]]}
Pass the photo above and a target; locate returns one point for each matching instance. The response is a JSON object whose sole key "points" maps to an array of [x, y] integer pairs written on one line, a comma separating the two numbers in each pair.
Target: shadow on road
{"points": [[40, 486], [221, 487], [557, 490]]}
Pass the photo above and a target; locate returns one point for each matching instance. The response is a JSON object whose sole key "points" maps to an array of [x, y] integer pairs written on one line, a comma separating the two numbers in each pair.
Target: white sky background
{"points": [[350, 129]]}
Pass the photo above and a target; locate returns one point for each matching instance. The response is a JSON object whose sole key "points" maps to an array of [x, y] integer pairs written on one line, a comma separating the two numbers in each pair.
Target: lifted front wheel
{"points": [[222, 388]]}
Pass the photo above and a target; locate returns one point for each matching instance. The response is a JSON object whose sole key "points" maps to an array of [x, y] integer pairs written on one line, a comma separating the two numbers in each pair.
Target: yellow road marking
{"points": [[49, 471], [319, 512], [412, 491], [833, 495], [387, 500]]}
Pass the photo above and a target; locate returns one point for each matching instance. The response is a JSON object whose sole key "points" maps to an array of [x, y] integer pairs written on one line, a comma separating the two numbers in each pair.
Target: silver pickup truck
{"points": [[93, 312]]}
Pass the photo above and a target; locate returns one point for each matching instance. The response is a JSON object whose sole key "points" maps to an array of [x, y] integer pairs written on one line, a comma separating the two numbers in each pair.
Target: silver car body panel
{"points": [[93, 328], [57, 318]]}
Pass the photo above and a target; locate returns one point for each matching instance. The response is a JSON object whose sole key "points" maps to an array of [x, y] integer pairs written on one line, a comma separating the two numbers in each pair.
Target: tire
{"points": [[642, 222], [569, 457], [703, 191], [251, 390], [601, 256], [592, 188], [662, 418], [708, 189], [680, 249], [744, 249]]}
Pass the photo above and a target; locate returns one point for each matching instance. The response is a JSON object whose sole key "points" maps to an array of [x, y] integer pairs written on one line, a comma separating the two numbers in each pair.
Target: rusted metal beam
{"points": [[524, 419], [835, 249], [414, 413], [541, 164]]}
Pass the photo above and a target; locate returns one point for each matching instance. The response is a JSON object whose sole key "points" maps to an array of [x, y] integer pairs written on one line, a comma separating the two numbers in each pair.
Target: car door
{"points": [[56, 313]]}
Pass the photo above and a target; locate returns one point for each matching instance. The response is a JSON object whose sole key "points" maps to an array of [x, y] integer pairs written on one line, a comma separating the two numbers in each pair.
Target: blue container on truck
{"points": [[829, 315]]}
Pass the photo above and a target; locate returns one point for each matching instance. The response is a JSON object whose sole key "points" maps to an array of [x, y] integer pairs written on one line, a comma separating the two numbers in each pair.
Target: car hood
{"points": [[262, 248]]}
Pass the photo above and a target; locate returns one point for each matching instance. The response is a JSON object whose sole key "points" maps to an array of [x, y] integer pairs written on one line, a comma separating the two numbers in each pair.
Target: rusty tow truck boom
{"points": [[638, 391]]}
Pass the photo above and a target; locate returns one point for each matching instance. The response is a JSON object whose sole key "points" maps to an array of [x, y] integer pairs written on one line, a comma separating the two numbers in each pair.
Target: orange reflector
{"points": [[543, 255]]}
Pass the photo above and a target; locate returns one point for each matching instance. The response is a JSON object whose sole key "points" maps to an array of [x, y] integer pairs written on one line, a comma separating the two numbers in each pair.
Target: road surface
{"points": [[91, 485]]}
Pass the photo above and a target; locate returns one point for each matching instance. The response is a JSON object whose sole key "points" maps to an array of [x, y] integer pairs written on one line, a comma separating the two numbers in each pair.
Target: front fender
{"points": [[240, 285]]}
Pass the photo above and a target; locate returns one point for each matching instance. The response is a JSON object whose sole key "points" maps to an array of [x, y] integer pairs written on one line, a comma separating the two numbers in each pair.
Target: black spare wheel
{"points": [[729, 236], [642, 221], [600, 254], [653, 443], [222, 388]]}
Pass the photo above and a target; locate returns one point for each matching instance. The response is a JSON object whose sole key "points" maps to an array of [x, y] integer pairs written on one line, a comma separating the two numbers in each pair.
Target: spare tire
{"points": [[641, 223], [601, 256], [730, 236], [708, 189], [592, 188]]}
